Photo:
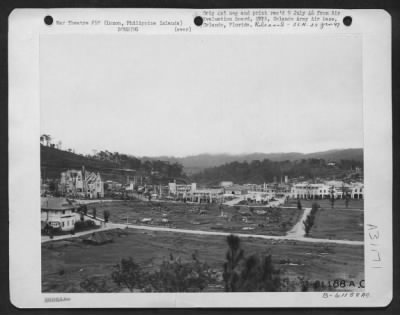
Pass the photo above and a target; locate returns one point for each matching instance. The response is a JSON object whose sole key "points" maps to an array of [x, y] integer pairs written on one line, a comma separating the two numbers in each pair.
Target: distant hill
{"points": [[197, 163], [54, 161]]}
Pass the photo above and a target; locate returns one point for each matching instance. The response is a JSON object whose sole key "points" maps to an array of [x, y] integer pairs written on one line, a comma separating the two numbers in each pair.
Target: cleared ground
{"points": [[326, 204], [207, 217], [339, 225], [339, 222], [66, 263]]}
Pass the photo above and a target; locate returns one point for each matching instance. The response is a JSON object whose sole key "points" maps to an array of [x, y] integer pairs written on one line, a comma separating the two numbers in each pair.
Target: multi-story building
{"points": [[81, 183], [58, 213], [208, 195], [337, 189], [306, 190], [357, 191], [181, 191]]}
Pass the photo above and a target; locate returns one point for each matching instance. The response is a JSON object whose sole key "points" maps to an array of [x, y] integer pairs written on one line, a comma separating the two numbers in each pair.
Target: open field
{"points": [[339, 224], [354, 204], [207, 217], [67, 263]]}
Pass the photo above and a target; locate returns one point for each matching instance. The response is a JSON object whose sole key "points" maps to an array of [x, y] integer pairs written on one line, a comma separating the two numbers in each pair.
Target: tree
{"points": [[106, 215], [347, 200], [332, 201], [83, 209], [248, 274], [234, 256], [127, 273], [177, 276], [259, 275], [309, 221], [45, 139]]}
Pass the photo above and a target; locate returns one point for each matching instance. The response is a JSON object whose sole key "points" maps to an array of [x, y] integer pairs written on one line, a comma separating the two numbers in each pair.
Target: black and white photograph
{"points": [[183, 162]]}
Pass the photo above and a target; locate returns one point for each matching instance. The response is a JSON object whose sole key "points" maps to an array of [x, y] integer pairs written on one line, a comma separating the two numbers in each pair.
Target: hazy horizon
{"points": [[246, 153], [183, 95], [222, 153]]}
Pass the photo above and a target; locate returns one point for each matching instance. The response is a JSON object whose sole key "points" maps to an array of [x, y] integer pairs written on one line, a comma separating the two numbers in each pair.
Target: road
{"points": [[267, 237], [295, 234]]}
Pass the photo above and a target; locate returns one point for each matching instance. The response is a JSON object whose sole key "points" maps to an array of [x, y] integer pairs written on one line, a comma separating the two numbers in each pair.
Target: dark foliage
{"points": [[248, 274], [106, 215], [128, 274], [94, 285], [174, 275], [266, 170], [309, 221]]}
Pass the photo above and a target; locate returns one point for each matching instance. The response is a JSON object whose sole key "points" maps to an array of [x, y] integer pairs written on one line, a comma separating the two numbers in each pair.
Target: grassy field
{"points": [[65, 264], [326, 204], [339, 224], [207, 217]]}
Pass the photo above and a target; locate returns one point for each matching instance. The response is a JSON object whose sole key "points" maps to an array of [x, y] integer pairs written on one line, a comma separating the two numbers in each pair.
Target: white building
{"points": [[338, 189], [310, 191], [181, 191], [357, 191], [208, 195], [81, 183], [58, 213]]}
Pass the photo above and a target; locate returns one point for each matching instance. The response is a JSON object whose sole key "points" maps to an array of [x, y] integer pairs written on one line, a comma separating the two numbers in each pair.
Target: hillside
{"points": [[261, 171], [55, 161], [197, 163]]}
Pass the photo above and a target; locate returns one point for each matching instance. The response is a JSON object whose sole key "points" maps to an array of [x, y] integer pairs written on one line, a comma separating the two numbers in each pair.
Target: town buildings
{"points": [[81, 183], [327, 189]]}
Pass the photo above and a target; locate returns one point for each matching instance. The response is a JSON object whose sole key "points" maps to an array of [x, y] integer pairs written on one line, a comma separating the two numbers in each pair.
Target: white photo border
{"points": [[25, 28]]}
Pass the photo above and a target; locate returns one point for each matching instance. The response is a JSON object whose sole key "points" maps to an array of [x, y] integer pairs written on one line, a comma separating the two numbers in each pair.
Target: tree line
{"points": [[260, 171], [54, 159]]}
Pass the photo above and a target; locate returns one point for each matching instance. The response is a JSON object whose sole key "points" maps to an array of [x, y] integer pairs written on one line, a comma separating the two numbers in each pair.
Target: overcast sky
{"points": [[184, 95]]}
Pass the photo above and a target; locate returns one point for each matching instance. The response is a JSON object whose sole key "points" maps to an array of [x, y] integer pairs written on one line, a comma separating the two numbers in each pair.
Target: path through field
{"points": [[298, 229]]}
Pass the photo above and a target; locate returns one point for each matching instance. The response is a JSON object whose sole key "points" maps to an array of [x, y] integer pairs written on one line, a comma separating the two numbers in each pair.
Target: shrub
{"points": [[177, 276], [94, 284], [173, 276], [309, 221], [106, 215], [82, 225], [127, 273]]}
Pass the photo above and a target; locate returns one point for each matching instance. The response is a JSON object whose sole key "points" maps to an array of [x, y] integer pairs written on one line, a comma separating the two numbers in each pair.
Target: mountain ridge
{"points": [[199, 162]]}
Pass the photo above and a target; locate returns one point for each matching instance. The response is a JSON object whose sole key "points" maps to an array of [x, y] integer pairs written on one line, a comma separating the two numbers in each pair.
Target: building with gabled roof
{"points": [[59, 213], [82, 183]]}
